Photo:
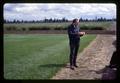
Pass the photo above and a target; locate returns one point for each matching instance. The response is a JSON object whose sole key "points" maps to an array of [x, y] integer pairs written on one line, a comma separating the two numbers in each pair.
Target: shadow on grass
{"points": [[53, 65]]}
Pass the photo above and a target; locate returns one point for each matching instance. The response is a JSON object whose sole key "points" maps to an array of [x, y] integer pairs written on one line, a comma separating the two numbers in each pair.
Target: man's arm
{"points": [[81, 33]]}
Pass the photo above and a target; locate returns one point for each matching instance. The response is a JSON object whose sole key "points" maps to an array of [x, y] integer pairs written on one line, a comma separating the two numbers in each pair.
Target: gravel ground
{"points": [[94, 58]]}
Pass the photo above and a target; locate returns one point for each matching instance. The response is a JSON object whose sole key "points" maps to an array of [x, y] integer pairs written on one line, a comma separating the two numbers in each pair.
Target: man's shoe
{"points": [[71, 67], [76, 66]]}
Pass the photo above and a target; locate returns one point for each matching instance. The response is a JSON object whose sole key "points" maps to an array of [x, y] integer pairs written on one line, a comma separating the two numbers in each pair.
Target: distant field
{"points": [[37, 56], [58, 25]]}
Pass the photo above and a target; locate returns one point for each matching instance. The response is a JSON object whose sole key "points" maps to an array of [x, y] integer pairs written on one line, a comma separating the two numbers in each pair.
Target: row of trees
{"points": [[58, 20], [97, 19]]}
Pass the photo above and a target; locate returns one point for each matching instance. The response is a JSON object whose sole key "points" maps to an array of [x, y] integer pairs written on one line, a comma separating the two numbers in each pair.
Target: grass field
{"points": [[55, 25], [36, 56]]}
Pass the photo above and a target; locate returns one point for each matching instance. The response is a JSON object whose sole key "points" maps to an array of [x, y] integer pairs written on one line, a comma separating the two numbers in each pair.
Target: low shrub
{"points": [[10, 28], [91, 28], [34, 28], [97, 28], [23, 29]]}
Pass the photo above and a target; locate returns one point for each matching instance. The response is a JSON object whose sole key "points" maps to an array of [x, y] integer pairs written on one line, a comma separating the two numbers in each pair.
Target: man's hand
{"points": [[81, 33]]}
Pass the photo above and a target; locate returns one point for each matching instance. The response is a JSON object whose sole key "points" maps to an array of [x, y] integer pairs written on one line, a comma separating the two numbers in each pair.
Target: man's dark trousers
{"points": [[74, 46]]}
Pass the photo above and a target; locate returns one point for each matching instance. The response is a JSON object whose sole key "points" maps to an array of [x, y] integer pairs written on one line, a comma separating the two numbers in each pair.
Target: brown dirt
{"points": [[59, 32], [94, 58]]}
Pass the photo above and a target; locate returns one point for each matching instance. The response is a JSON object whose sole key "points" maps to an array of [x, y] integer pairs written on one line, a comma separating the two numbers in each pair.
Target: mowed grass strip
{"points": [[37, 56]]}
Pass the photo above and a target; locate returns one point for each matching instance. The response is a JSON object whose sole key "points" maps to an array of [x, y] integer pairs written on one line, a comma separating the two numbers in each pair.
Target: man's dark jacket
{"points": [[73, 33]]}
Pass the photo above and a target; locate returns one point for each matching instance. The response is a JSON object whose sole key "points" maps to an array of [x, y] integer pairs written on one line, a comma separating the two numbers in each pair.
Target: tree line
{"points": [[59, 20]]}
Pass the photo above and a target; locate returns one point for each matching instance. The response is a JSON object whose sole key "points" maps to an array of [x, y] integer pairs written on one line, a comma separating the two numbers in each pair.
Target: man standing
{"points": [[74, 39]]}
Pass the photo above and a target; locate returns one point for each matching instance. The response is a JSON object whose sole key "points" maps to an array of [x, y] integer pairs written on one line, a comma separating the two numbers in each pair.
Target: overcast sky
{"points": [[23, 11]]}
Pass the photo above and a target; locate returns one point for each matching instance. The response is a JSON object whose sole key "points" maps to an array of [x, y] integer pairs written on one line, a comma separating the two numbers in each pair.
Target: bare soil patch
{"points": [[60, 32]]}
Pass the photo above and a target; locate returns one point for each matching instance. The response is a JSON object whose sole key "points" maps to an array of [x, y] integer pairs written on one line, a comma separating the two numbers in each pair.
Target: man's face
{"points": [[77, 22]]}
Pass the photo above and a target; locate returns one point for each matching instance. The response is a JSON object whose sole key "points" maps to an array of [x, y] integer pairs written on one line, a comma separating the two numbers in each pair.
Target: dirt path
{"points": [[94, 58]]}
